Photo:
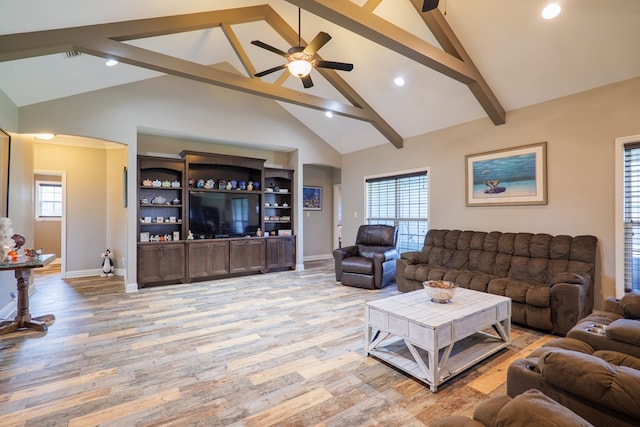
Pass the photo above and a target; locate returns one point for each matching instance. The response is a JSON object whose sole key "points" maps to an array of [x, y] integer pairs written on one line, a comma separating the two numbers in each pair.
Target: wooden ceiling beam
{"points": [[452, 62], [155, 61], [450, 43], [106, 40]]}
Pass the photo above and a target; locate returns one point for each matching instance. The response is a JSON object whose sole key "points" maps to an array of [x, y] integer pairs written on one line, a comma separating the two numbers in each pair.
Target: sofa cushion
{"points": [[631, 305], [533, 408], [617, 358], [592, 379], [624, 330]]}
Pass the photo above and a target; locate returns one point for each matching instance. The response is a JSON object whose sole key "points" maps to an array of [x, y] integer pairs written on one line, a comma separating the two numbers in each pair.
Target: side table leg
{"points": [[23, 319]]}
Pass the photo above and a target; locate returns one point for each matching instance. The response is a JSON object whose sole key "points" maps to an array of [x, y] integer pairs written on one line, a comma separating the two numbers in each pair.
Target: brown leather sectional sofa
{"points": [[550, 279]]}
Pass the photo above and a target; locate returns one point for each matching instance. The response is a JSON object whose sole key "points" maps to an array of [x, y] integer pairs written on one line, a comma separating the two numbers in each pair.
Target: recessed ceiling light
{"points": [[329, 114], [551, 10], [44, 136], [399, 81], [110, 62]]}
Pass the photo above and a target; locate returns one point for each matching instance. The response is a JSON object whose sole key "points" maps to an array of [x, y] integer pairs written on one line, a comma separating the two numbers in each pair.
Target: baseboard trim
{"points": [[88, 273], [318, 257], [131, 287]]}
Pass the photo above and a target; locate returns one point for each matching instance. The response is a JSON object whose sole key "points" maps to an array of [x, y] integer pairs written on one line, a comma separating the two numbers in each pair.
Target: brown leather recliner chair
{"points": [[371, 262]]}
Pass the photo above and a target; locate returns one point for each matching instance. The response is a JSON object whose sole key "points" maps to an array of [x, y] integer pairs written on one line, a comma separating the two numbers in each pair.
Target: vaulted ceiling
{"points": [[467, 60]]}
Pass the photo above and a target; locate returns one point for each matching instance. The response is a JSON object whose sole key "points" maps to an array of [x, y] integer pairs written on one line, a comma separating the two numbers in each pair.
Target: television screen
{"points": [[216, 215]]}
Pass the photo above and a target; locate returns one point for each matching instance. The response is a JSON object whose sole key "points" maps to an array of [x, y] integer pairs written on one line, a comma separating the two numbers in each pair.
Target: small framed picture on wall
{"points": [[312, 198]]}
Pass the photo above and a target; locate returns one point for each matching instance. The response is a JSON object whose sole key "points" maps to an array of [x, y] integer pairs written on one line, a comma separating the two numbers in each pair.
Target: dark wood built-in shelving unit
{"points": [[209, 216]]}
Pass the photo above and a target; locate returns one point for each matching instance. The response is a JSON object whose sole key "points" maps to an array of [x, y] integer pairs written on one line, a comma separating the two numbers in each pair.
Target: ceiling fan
{"points": [[300, 59]]}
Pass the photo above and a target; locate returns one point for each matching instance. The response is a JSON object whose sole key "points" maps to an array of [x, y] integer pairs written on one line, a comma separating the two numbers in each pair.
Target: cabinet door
{"points": [[208, 260], [149, 264], [160, 264], [246, 255], [173, 261], [281, 253]]}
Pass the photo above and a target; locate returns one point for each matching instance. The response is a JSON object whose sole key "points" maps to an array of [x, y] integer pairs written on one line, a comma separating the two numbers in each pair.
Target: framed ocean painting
{"points": [[312, 198], [512, 176]]}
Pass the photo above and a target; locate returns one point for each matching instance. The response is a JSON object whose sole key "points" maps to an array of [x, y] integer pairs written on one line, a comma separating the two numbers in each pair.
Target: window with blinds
{"points": [[403, 201], [632, 216]]}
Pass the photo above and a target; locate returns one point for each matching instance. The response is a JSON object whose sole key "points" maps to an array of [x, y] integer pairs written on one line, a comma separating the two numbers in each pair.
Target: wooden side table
{"points": [[23, 319]]}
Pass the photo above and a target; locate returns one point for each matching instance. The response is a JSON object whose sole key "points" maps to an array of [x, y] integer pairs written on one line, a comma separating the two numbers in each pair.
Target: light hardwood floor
{"points": [[281, 349]]}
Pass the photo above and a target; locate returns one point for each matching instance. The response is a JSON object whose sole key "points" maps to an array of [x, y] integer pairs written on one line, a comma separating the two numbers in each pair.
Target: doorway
{"points": [[49, 216]]}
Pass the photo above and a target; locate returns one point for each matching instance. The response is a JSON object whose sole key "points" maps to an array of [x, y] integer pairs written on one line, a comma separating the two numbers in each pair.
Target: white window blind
{"points": [[632, 216], [403, 201], [48, 200]]}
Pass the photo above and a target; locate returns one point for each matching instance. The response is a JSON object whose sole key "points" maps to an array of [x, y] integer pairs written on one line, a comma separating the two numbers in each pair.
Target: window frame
{"points": [[38, 214], [620, 144]]}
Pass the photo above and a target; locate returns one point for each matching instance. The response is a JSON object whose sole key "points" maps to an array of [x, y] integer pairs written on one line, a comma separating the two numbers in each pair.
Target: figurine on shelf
{"points": [[259, 232], [107, 264], [229, 186], [256, 185], [222, 184], [250, 186], [190, 236], [234, 184], [242, 185]]}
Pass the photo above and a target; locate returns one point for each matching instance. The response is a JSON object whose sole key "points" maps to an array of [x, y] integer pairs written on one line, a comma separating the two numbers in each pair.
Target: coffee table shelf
{"points": [[433, 342]]}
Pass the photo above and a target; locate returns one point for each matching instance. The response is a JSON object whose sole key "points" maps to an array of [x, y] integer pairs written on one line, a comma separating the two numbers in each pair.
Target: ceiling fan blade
{"points": [[269, 48], [270, 70], [343, 66], [318, 41], [306, 81]]}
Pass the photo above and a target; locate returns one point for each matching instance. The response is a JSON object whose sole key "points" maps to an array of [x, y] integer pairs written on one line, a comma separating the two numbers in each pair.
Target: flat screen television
{"points": [[224, 214]]}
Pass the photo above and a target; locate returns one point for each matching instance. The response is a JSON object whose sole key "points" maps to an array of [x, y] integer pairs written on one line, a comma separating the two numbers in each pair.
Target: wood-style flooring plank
{"points": [[282, 349]]}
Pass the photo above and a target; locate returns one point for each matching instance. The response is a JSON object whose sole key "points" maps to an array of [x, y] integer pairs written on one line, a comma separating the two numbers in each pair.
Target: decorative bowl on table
{"points": [[440, 291]]}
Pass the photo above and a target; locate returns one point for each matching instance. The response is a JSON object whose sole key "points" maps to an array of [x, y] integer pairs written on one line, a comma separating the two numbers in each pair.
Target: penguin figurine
{"points": [[107, 264]]}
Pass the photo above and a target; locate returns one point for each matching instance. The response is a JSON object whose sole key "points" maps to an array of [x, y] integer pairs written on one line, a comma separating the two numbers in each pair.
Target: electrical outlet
{"points": [[124, 261]]}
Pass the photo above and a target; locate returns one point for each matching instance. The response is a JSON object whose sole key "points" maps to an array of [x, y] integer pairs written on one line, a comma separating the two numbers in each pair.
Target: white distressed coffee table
{"points": [[434, 342]]}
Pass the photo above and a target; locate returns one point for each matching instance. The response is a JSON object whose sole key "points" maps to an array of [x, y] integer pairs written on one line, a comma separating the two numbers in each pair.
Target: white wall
{"points": [[580, 131]]}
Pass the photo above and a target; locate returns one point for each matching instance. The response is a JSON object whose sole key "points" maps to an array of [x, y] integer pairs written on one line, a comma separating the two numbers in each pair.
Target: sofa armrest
{"points": [[624, 330], [340, 254], [388, 255], [413, 257], [570, 302], [574, 278], [592, 379]]}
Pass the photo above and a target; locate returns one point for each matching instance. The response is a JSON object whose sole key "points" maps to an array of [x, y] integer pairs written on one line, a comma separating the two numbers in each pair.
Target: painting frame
{"points": [[5, 158], [491, 180], [311, 198]]}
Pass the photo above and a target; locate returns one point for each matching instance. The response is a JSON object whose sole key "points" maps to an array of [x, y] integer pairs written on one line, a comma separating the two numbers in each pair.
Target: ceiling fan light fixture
{"points": [[300, 67]]}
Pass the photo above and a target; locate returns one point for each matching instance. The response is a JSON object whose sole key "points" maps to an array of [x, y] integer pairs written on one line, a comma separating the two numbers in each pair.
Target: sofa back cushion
{"points": [[372, 239], [525, 257]]}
